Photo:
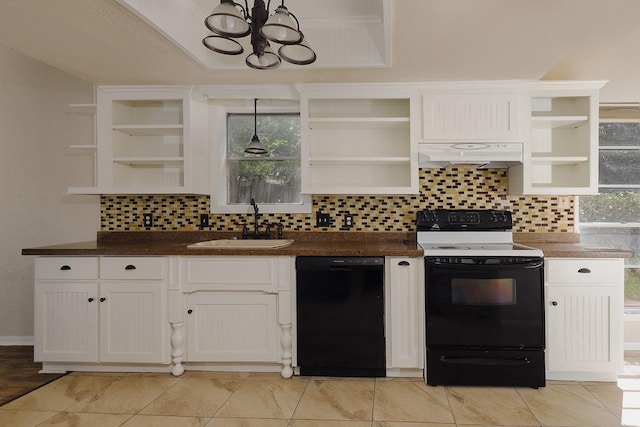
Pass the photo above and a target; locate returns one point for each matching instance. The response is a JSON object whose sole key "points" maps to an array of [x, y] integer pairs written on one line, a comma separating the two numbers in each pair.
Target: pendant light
{"points": [[230, 20], [255, 146]]}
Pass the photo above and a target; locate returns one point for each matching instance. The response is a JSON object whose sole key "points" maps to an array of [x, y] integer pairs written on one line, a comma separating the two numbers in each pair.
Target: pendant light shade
{"points": [[281, 28], [255, 146], [230, 20], [267, 61], [223, 45], [227, 20], [298, 54]]}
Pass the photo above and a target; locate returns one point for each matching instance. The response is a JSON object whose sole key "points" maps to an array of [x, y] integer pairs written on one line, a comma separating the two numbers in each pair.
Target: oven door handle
{"points": [[528, 263], [487, 361]]}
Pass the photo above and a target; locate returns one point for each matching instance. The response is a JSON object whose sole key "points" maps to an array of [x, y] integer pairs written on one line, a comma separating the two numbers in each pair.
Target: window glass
{"points": [[273, 178], [612, 217]]}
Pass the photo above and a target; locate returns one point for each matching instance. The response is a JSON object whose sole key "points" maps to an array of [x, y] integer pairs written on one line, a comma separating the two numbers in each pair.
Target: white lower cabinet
{"points": [[405, 313], [232, 327], [237, 310], [81, 318], [66, 321], [584, 318]]}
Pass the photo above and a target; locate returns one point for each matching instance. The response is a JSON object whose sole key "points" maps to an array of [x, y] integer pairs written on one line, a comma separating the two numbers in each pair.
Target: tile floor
{"points": [[265, 400]]}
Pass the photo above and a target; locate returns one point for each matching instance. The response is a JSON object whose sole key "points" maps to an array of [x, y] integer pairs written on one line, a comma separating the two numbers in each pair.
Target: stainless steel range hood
{"points": [[477, 155]]}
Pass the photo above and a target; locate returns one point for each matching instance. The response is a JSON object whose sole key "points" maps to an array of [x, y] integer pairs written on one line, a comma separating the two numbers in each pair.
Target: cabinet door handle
{"points": [[403, 263], [130, 267], [584, 270], [103, 299], [554, 303], [90, 300], [65, 267], [189, 311]]}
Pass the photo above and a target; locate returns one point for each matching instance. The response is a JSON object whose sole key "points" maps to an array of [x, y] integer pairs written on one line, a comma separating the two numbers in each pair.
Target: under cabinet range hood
{"points": [[477, 155]]}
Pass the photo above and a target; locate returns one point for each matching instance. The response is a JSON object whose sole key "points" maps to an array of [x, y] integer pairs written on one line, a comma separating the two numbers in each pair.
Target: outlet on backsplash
{"points": [[323, 219], [347, 221], [147, 220], [204, 220]]}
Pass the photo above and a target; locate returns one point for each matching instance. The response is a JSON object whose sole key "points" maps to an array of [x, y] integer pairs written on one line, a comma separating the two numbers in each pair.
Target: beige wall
{"points": [[36, 127]]}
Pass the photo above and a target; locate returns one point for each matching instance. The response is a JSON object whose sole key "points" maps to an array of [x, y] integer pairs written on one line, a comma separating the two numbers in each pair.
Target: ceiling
{"points": [[153, 42]]}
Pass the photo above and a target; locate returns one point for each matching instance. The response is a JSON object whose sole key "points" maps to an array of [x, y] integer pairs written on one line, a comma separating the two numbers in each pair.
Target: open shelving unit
{"points": [[358, 145], [561, 143], [148, 140]]}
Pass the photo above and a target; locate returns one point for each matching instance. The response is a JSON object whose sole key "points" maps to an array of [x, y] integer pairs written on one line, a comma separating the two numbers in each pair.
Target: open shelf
{"points": [[358, 146]]}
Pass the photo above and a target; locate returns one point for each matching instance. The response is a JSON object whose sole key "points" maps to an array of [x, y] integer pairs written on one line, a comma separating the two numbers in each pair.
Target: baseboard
{"points": [[16, 340], [632, 346]]}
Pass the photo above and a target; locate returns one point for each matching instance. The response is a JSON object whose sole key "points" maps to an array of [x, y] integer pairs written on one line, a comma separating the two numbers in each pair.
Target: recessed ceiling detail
{"points": [[343, 34]]}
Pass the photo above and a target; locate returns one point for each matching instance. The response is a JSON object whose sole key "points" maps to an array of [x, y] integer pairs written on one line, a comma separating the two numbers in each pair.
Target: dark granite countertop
{"points": [[175, 243], [149, 243]]}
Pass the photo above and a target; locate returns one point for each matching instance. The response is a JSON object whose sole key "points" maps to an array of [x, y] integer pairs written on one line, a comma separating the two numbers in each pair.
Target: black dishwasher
{"points": [[340, 316]]}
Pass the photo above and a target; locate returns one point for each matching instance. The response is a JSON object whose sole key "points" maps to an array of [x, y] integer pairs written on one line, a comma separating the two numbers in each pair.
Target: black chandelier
{"points": [[229, 21]]}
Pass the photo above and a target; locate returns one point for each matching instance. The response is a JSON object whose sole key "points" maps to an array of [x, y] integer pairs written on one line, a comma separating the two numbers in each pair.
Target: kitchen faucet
{"points": [[256, 219]]}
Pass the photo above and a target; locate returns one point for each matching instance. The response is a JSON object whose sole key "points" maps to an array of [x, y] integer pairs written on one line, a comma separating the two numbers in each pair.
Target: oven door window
{"points": [[472, 291], [484, 304]]}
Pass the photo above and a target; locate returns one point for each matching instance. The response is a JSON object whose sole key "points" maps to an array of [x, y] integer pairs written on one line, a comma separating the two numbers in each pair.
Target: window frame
{"points": [[219, 161]]}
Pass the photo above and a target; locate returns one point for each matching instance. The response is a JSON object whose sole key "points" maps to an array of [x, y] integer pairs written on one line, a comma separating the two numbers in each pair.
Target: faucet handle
{"points": [[280, 227], [245, 232]]}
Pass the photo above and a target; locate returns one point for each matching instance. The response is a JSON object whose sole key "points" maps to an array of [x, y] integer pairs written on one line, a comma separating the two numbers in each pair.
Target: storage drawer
{"points": [[230, 273], [139, 268], [66, 268], [584, 271]]}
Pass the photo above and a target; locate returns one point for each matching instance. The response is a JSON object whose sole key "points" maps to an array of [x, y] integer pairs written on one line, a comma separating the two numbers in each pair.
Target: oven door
{"points": [[484, 302]]}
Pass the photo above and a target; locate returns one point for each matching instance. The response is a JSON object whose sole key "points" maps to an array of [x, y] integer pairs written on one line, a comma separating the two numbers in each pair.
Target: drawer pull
{"points": [[189, 311], [103, 299], [403, 263], [584, 270], [130, 267], [554, 303], [65, 267], [90, 300]]}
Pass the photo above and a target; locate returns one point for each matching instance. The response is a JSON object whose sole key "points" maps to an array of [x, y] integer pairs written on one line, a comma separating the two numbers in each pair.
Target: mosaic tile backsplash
{"points": [[449, 188]]}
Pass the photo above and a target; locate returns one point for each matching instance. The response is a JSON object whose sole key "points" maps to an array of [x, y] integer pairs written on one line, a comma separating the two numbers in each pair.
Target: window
{"points": [[272, 180], [612, 218]]}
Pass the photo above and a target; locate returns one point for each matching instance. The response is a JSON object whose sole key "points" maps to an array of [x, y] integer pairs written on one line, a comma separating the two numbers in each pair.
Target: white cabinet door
{"points": [[404, 318], [584, 318], [133, 324], [582, 331], [485, 117], [66, 321], [232, 327]]}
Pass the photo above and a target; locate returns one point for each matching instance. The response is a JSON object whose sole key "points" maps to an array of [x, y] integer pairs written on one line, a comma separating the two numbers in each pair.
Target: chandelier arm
{"points": [[245, 9]]}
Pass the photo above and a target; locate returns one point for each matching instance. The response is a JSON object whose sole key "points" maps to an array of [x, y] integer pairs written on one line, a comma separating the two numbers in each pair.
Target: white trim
{"points": [[17, 340]]}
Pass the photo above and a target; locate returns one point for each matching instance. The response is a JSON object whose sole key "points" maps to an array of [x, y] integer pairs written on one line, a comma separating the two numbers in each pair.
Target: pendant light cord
{"points": [[255, 116]]}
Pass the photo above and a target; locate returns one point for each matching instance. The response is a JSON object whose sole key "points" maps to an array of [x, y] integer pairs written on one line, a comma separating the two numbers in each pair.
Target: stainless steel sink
{"points": [[241, 244]]}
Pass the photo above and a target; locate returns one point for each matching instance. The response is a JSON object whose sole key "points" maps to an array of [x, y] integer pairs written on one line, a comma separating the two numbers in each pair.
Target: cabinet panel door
{"points": [[404, 313], [133, 325], [66, 322], [470, 117], [584, 328], [232, 328]]}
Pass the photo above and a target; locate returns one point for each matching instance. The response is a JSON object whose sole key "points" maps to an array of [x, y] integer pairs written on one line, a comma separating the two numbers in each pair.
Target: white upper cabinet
{"points": [[359, 139], [561, 140], [150, 139], [475, 117]]}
